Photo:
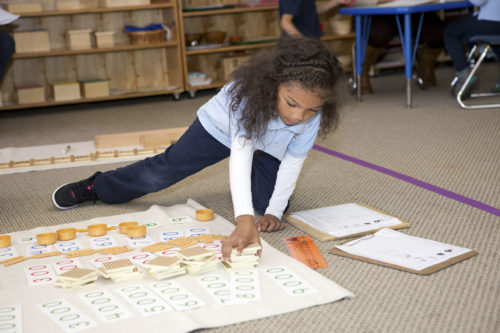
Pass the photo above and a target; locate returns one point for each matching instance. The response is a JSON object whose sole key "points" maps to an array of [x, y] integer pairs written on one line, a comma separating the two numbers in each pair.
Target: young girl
{"points": [[265, 120]]}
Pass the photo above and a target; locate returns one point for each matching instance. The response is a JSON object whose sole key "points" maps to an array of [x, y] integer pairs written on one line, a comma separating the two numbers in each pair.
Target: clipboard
{"points": [[425, 271], [325, 237]]}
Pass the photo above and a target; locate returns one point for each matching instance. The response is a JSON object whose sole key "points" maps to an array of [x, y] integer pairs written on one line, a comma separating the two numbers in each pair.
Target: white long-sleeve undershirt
{"points": [[286, 180], [240, 170]]}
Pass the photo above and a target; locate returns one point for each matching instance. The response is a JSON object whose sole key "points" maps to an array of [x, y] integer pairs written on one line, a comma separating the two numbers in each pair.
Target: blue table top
{"points": [[431, 7]]}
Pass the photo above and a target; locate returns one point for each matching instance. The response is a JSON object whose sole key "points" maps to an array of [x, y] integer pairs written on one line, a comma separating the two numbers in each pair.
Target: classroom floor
{"points": [[434, 165]]}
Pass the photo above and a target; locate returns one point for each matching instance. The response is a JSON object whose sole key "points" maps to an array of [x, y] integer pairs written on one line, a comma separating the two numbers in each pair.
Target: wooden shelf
{"points": [[222, 11], [229, 48], [116, 48], [96, 10], [328, 38], [132, 70], [91, 100], [212, 85]]}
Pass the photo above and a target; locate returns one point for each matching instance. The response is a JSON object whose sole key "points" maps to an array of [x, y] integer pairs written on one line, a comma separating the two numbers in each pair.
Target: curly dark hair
{"points": [[301, 60]]}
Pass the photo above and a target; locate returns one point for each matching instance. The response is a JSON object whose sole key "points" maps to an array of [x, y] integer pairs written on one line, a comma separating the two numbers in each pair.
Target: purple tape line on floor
{"points": [[414, 181]]}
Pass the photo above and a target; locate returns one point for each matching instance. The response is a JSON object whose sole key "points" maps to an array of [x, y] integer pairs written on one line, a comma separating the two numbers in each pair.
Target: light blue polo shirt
{"points": [[278, 139]]}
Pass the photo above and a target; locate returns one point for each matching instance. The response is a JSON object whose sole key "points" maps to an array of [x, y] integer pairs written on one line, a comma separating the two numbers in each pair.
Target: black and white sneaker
{"points": [[71, 195]]}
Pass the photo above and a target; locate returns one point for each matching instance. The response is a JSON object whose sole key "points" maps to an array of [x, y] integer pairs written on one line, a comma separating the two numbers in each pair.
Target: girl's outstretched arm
{"points": [[240, 169]]}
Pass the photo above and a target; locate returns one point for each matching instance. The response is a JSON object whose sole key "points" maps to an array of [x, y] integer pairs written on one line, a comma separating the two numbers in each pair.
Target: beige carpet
{"points": [[435, 141]]}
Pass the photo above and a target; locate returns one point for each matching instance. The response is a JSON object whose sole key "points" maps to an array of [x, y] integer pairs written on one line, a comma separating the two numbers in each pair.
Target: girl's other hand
{"points": [[244, 234], [270, 223]]}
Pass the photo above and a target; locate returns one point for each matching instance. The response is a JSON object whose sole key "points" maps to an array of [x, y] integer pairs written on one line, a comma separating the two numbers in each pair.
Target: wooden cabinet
{"points": [[133, 70], [136, 70]]}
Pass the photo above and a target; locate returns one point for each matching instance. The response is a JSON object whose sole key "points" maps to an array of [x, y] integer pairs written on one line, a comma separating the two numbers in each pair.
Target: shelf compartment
{"points": [[229, 48], [91, 100], [116, 48], [223, 11], [132, 72], [98, 10], [327, 38]]}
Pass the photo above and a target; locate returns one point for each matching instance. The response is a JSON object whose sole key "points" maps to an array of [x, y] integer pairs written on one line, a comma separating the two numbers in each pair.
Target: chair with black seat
{"points": [[488, 41]]}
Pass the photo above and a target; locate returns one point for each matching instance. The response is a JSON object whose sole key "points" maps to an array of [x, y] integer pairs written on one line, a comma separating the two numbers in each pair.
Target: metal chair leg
{"points": [[467, 81]]}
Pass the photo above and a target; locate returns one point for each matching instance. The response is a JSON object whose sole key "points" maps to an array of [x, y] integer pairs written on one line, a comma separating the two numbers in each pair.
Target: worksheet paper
{"points": [[399, 249], [346, 219]]}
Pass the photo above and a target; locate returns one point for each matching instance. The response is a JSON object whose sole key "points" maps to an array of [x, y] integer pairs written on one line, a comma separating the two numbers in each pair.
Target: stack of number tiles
{"points": [[198, 260], [76, 278], [120, 270], [246, 260], [164, 267]]}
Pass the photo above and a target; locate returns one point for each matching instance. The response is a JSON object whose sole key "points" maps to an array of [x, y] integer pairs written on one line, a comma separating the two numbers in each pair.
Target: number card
{"points": [[102, 242], [152, 224], [146, 302], [169, 253], [140, 241], [293, 284], [97, 262], [65, 265], [165, 236], [197, 231], [27, 240], [37, 249], [11, 319], [39, 275], [176, 295], [141, 258], [180, 219], [105, 306], [217, 247], [67, 246], [245, 285], [217, 287], [66, 315], [8, 252]]}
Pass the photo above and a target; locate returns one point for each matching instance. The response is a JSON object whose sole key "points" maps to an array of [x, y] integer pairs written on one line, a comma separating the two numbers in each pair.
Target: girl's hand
{"points": [[270, 223], [244, 234]]}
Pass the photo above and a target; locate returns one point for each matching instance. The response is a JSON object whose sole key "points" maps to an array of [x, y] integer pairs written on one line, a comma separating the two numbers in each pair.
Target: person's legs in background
{"points": [[7, 47], [383, 30], [496, 86], [455, 37], [432, 45], [381, 33]]}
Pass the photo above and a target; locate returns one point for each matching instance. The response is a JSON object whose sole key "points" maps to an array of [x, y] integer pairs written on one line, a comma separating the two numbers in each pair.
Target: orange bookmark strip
{"points": [[305, 250]]}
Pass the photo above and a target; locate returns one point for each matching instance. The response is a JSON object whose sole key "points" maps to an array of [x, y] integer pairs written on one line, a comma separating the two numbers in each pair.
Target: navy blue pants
{"points": [[194, 151], [6, 50], [456, 33]]}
